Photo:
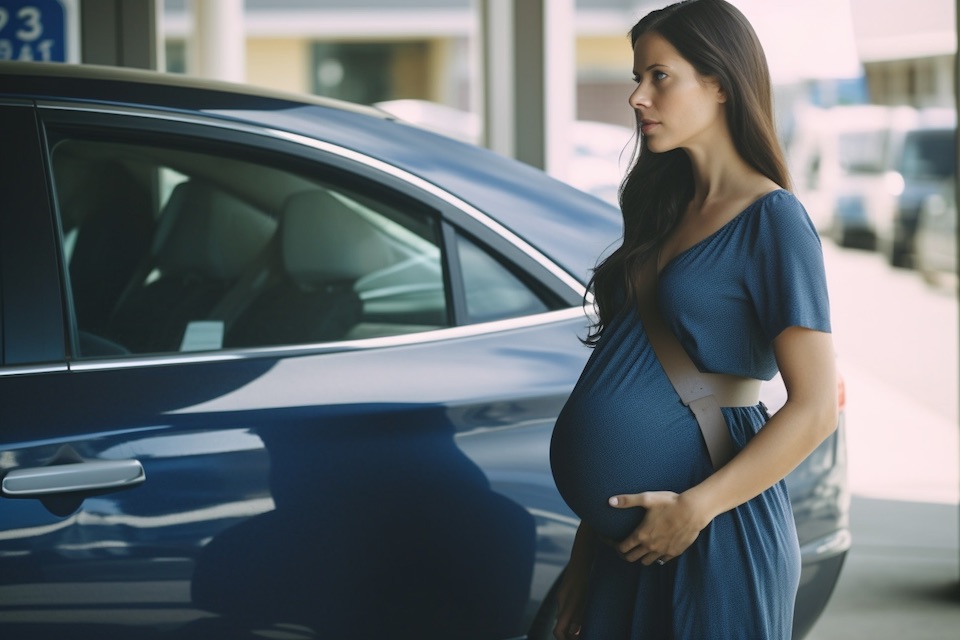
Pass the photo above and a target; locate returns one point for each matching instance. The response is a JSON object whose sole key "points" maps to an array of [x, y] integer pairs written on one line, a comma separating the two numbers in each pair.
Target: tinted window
{"points": [[492, 291], [170, 250]]}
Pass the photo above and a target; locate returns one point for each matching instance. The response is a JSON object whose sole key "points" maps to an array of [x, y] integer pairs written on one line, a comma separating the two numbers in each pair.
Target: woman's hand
{"points": [[671, 524], [572, 595], [571, 599]]}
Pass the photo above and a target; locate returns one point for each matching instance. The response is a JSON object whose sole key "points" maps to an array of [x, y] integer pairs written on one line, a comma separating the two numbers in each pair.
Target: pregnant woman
{"points": [[671, 545]]}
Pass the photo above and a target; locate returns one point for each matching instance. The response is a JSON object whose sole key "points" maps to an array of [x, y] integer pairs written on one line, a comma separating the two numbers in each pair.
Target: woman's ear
{"points": [[721, 94], [714, 83]]}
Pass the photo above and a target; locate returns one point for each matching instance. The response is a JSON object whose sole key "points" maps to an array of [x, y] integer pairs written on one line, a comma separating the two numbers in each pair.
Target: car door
{"points": [[224, 415]]}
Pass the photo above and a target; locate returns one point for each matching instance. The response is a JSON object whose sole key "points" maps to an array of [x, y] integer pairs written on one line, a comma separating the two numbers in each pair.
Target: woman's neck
{"points": [[721, 176], [719, 172]]}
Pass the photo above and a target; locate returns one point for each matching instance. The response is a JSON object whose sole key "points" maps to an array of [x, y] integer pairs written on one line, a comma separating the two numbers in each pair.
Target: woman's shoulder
{"points": [[780, 207], [776, 197], [780, 223]]}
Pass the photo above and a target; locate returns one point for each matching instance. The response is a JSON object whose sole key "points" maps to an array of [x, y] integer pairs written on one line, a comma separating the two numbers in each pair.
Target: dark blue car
{"points": [[274, 367]]}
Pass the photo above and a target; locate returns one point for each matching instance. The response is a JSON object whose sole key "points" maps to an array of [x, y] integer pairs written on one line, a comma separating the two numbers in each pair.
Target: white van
{"points": [[840, 159]]}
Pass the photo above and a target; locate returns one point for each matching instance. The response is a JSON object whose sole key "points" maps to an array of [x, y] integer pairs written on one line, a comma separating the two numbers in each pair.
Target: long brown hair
{"points": [[718, 41]]}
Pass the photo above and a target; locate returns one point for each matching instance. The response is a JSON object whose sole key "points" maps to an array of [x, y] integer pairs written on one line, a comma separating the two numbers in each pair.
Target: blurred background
{"points": [[424, 61], [547, 81]]}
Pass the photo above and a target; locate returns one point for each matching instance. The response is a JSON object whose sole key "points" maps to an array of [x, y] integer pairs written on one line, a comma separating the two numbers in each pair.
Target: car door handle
{"points": [[98, 476]]}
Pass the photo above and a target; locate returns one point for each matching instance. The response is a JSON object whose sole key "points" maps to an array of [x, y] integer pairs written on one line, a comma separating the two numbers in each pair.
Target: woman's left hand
{"points": [[671, 524]]}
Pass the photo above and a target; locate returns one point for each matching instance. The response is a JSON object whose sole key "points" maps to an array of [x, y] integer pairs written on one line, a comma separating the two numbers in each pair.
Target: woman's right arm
{"points": [[572, 596]]}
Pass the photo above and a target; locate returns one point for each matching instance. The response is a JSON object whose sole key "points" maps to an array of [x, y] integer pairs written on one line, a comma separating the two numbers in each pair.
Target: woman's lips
{"points": [[647, 125]]}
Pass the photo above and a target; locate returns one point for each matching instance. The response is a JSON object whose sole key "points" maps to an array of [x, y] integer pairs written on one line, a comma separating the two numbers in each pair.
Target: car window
{"points": [[863, 151], [929, 154], [170, 250], [492, 291]]}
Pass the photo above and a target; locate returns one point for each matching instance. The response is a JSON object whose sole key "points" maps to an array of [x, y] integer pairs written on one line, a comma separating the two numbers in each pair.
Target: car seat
{"points": [[204, 241], [111, 215], [324, 247]]}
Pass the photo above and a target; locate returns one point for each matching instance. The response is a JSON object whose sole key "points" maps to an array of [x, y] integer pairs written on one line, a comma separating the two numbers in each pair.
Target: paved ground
{"points": [[902, 577], [898, 346]]}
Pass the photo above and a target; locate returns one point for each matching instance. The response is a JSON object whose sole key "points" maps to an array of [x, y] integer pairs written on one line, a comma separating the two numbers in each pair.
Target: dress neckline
{"points": [[713, 235]]}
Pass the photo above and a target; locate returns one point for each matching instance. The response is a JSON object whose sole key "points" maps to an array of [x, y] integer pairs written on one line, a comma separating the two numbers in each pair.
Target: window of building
{"points": [[370, 72]]}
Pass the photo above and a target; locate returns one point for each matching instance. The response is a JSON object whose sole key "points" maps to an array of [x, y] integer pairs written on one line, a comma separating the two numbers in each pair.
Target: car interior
{"points": [[170, 250]]}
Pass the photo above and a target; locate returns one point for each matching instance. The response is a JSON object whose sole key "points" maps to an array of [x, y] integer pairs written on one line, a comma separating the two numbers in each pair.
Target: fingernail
{"points": [[614, 501]]}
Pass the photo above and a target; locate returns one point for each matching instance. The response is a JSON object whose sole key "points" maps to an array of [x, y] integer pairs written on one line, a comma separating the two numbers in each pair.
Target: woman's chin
{"points": [[655, 146]]}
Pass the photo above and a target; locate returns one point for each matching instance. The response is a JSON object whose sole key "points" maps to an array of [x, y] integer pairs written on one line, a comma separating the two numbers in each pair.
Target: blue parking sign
{"points": [[32, 30]]}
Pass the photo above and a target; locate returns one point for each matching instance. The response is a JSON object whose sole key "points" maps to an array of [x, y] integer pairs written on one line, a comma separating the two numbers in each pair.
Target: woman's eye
{"points": [[659, 75], [636, 79]]}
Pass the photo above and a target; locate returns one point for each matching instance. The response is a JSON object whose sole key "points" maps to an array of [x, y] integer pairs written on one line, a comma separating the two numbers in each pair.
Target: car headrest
{"points": [[207, 231], [324, 241]]}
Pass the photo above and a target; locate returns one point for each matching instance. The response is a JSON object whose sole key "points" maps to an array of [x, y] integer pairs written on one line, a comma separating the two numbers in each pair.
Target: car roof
{"points": [[78, 80], [571, 227]]}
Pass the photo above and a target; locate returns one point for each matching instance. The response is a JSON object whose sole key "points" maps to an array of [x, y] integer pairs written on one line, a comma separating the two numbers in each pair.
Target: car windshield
{"points": [[863, 151], [929, 154]]}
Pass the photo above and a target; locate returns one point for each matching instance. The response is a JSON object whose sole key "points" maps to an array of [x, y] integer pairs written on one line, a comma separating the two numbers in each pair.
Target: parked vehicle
{"points": [[841, 158], [925, 164], [275, 366], [935, 243]]}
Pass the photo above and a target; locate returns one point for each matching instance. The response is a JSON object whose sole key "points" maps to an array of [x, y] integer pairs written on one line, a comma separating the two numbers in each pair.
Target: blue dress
{"points": [[624, 430]]}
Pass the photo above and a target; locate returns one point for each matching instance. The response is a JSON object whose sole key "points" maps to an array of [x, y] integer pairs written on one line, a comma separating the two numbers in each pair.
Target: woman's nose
{"points": [[638, 98]]}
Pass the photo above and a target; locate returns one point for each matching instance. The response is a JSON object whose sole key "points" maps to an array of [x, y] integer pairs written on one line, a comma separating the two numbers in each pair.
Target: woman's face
{"points": [[678, 108]]}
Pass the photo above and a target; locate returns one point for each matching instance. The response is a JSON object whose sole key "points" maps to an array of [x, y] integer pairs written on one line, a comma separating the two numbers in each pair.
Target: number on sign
{"points": [[31, 20]]}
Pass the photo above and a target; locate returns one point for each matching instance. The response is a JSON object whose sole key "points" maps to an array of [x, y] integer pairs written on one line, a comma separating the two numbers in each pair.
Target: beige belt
{"points": [[704, 393]]}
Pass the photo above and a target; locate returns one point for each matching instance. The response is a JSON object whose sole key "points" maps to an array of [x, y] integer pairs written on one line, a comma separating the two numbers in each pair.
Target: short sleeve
{"points": [[787, 280]]}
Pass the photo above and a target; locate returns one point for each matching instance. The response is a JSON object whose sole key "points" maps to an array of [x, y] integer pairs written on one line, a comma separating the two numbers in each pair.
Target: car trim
{"points": [[20, 369], [349, 154], [66, 105], [87, 72], [362, 344]]}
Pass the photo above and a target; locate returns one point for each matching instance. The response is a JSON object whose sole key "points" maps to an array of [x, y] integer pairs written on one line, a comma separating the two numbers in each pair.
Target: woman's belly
{"points": [[623, 430]]}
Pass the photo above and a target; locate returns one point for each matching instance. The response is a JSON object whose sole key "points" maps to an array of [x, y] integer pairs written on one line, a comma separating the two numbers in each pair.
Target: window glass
{"points": [[929, 154], [491, 290], [169, 250], [370, 72]]}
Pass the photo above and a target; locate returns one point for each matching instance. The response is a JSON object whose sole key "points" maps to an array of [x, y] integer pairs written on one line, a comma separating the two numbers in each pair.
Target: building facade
{"points": [[909, 57], [369, 51]]}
